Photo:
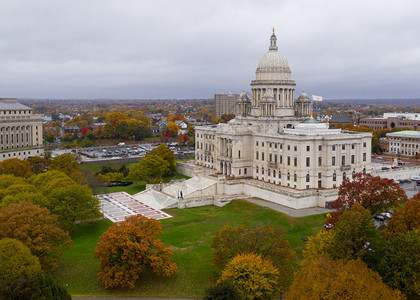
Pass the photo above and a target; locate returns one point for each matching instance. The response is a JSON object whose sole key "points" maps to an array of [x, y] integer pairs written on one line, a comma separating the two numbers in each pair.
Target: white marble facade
{"points": [[274, 138]]}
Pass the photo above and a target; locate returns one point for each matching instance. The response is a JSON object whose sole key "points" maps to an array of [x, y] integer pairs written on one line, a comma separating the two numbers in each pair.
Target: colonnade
{"points": [[15, 137], [284, 97]]}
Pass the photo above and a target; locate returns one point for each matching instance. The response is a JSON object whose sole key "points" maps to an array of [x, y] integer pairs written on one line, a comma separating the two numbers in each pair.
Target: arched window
{"points": [[288, 176], [364, 171], [334, 177], [269, 172], [274, 173], [279, 174], [307, 177], [353, 174], [295, 177], [344, 175], [256, 169], [262, 170]]}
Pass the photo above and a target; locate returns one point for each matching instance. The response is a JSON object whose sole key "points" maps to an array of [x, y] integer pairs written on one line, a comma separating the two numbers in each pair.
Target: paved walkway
{"points": [[290, 211]]}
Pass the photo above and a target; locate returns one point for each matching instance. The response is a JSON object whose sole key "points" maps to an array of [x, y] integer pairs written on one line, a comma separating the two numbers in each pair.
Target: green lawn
{"points": [[189, 233]]}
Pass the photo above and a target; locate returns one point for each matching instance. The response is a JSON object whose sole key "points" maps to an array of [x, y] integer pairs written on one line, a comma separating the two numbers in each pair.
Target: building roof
{"points": [[409, 133], [341, 119], [12, 104]]}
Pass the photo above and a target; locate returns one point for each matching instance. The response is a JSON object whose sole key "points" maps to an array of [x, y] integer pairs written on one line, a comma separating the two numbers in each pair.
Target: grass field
{"points": [[189, 233]]}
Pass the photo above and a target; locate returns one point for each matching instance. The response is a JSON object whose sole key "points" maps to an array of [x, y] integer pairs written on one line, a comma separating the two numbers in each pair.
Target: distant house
{"points": [[183, 127], [154, 130], [341, 119], [70, 130]]}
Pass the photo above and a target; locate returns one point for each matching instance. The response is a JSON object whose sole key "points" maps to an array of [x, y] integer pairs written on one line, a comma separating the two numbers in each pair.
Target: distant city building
{"points": [[20, 131], [225, 103], [404, 143], [274, 139], [392, 120], [341, 119]]}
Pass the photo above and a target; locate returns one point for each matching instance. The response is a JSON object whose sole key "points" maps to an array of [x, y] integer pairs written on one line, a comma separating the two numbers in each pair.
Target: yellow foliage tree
{"points": [[253, 276], [328, 279], [172, 129]]}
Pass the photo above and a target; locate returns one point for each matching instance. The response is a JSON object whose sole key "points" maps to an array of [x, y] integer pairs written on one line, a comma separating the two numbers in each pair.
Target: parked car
{"points": [[385, 168], [400, 162], [407, 180], [379, 218], [386, 215]]}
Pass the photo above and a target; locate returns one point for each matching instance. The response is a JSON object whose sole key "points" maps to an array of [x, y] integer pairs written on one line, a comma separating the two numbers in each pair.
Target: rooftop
{"points": [[410, 133]]}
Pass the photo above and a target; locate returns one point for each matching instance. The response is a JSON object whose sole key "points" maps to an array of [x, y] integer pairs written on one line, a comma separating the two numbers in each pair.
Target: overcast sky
{"points": [[194, 49]]}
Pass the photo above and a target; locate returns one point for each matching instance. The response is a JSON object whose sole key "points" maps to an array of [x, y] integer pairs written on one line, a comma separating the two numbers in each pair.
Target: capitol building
{"points": [[274, 138]]}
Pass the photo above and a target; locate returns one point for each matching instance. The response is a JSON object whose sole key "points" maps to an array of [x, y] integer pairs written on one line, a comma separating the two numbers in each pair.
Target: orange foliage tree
{"points": [[130, 246], [372, 192], [405, 219], [325, 278], [172, 129], [38, 229], [253, 276]]}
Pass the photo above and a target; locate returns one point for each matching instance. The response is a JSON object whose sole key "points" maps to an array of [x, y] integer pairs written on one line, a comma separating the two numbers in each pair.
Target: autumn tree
{"points": [[150, 167], [222, 290], [227, 117], [15, 259], [253, 276], [17, 167], [372, 192], [164, 152], [267, 241], [38, 229], [130, 246], [38, 285], [329, 279], [172, 128], [39, 164], [405, 219], [67, 164]]}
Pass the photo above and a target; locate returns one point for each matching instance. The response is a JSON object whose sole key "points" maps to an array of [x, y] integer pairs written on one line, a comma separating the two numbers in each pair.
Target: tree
{"points": [[128, 247], [372, 192], [164, 152], [38, 229], [227, 117], [325, 278], [355, 235], [172, 128], [15, 259], [180, 139], [405, 219], [399, 263], [67, 164], [253, 276], [266, 241], [221, 291], [150, 167], [186, 138], [37, 285], [17, 167], [39, 164]]}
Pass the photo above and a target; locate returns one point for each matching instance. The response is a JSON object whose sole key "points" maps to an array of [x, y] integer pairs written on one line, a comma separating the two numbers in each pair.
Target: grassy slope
{"points": [[189, 233]]}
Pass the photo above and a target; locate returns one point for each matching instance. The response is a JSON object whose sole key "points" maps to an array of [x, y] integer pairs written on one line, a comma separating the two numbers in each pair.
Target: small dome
{"points": [[303, 98], [243, 97]]}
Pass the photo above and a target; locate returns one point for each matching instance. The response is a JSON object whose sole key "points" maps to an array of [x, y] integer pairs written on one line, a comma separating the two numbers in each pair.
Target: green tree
{"points": [[164, 152], [15, 259], [38, 229], [150, 167], [399, 263], [17, 167], [253, 276], [130, 246], [39, 285], [267, 241], [221, 291], [329, 279], [67, 164]]}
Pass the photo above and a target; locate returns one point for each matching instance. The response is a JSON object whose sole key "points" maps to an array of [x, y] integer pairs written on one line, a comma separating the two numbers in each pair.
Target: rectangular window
{"points": [[352, 159], [343, 147], [343, 160], [256, 143], [308, 162], [333, 161], [295, 148], [288, 160], [270, 157], [244, 171], [364, 144], [364, 156], [333, 148], [295, 160], [256, 155], [281, 159], [352, 146], [319, 161], [308, 148], [275, 158], [239, 153], [262, 156], [319, 175], [320, 147]]}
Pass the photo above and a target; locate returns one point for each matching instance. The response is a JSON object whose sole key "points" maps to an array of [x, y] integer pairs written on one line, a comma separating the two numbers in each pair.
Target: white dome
{"points": [[273, 65]]}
